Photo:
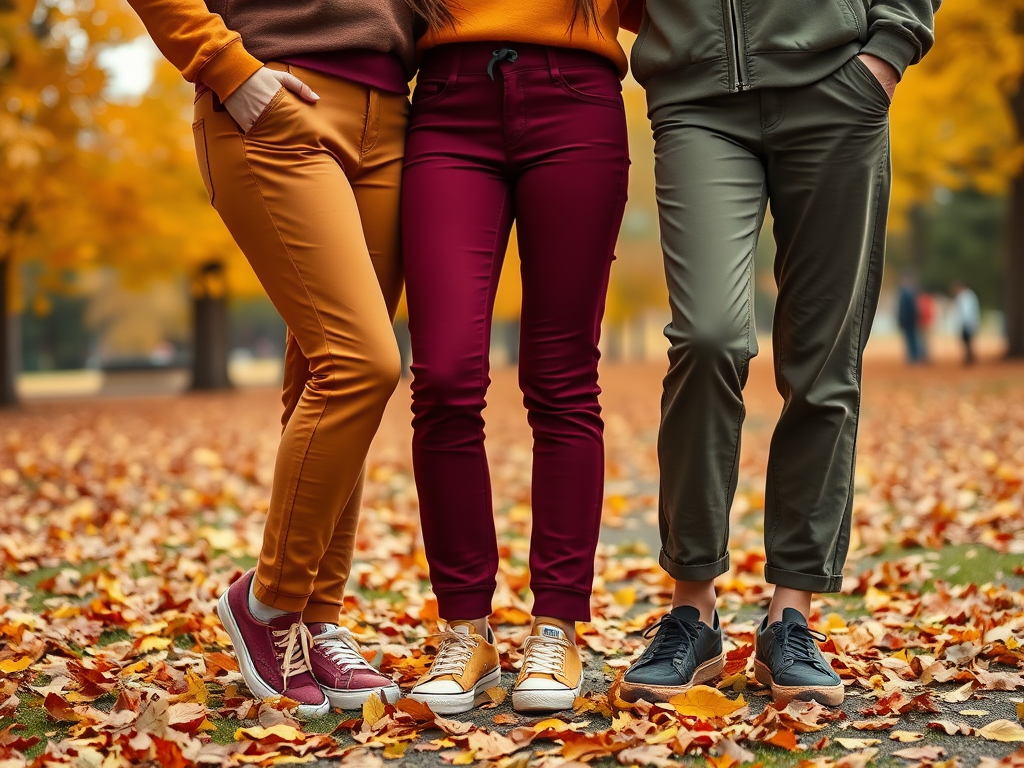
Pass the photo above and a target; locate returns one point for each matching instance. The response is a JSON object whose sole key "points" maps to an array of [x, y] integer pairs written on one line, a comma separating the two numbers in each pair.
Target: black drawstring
{"points": [[500, 55]]}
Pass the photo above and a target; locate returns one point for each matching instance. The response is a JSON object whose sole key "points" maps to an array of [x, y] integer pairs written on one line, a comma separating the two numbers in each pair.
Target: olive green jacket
{"points": [[693, 49]]}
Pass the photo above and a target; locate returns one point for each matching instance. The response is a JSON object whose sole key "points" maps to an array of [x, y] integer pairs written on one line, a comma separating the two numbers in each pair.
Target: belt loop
{"points": [[453, 76], [553, 63]]}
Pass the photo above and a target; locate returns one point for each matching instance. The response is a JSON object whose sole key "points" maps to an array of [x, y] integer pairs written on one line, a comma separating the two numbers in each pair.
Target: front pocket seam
{"points": [[199, 134], [860, 65], [609, 101], [267, 109], [445, 87]]}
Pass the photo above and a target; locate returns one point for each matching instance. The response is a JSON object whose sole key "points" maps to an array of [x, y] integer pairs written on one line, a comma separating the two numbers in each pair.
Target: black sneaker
{"points": [[789, 662], [684, 652]]}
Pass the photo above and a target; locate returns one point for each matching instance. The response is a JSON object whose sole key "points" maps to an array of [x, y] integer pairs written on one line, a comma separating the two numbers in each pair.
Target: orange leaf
{"points": [[705, 702]]}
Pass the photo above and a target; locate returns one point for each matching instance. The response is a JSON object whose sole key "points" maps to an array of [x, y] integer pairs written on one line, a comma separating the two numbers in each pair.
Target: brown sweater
{"points": [[221, 43]]}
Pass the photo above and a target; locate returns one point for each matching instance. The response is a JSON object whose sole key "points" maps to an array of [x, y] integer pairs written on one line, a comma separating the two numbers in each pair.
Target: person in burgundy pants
{"points": [[534, 134]]}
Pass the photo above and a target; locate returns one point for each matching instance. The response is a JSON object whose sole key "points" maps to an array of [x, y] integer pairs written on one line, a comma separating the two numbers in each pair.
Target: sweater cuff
{"points": [[231, 67], [893, 48]]}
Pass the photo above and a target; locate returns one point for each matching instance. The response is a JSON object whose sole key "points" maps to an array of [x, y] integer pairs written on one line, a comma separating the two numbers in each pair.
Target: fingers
{"points": [[293, 84]]}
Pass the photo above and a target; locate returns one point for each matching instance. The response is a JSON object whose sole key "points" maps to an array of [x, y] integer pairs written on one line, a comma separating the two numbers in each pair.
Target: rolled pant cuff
{"points": [[278, 600], [329, 613], [560, 602], [806, 582], [705, 572], [472, 603]]}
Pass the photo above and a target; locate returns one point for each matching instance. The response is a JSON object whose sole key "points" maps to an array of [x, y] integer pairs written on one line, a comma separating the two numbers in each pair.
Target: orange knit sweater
{"points": [[544, 22]]}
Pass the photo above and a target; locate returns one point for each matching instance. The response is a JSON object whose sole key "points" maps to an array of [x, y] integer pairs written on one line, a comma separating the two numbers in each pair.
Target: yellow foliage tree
{"points": [[173, 228], [51, 86]]}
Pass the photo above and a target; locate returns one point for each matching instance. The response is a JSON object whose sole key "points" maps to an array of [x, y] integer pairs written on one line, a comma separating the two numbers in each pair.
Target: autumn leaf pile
{"points": [[122, 521]]}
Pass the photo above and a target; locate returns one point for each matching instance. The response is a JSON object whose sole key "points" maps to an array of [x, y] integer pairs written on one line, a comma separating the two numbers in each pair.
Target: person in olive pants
{"points": [[753, 102]]}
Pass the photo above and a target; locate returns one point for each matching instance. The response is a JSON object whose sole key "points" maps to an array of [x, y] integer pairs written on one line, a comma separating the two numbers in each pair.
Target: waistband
{"points": [[474, 58]]}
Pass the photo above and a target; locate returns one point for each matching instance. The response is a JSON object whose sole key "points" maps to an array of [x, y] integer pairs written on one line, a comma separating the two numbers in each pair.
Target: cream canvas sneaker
{"points": [[466, 665], [552, 673]]}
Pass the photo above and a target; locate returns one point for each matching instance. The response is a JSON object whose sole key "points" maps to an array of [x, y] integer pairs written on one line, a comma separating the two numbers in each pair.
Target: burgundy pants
{"points": [[544, 144]]}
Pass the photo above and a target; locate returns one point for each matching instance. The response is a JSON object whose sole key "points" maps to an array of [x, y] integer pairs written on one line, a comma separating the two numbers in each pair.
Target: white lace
{"points": [[544, 655], [340, 647], [453, 654], [293, 644]]}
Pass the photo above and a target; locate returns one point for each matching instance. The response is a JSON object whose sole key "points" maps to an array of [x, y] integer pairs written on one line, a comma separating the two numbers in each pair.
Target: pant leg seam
{"points": [[492, 565], [293, 491], [745, 371], [848, 511]]}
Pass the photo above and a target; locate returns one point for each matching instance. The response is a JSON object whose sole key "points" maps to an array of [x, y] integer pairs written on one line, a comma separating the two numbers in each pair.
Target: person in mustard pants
{"points": [[300, 124]]}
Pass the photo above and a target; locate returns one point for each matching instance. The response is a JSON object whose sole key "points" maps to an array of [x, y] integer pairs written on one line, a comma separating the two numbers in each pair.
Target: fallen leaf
{"points": [[705, 702], [373, 710], [851, 744], [1002, 730]]}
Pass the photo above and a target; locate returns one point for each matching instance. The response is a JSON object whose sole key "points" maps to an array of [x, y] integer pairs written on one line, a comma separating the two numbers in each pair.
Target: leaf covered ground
{"points": [[121, 521]]}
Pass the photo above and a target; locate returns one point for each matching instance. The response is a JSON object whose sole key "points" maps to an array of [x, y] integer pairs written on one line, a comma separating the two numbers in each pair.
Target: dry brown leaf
{"points": [[906, 736], [1002, 730], [930, 753]]}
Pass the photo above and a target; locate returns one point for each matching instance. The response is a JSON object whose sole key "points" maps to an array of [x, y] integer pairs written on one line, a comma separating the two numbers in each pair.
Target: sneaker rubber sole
{"points": [[549, 700], [259, 687], [457, 703], [830, 695], [347, 699], [705, 673]]}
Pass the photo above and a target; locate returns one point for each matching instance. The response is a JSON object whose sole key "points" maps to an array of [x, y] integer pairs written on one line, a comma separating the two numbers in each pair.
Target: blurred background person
{"points": [[968, 317], [926, 314], [908, 318]]}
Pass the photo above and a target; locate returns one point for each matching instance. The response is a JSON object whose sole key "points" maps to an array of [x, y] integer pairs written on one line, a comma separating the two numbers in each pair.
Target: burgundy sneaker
{"points": [[273, 658], [345, 676]]}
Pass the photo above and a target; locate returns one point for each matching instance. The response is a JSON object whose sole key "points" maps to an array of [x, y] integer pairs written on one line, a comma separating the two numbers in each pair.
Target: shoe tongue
{"points": [[687, 613], [318, 628], [462, 627], [549, 630], [793, 616], [286, 621]]}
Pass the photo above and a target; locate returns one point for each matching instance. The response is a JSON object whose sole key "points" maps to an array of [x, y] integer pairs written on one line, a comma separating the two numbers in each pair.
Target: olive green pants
{"points": [[819, 153]]}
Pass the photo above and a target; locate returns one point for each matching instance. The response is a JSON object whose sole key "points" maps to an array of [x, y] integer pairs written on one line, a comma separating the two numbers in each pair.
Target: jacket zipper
{"points": [[739, 63]]}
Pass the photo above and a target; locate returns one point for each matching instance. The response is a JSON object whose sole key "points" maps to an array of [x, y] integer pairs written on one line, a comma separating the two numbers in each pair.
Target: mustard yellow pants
{"points": [[311, 196]]}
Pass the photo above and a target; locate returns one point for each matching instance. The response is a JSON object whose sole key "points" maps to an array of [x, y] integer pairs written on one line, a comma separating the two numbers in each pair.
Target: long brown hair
{"points": [[437, 13], [585, 12]]}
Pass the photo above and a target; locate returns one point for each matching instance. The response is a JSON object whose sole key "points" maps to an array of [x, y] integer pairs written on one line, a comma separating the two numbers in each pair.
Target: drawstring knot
{"points": [[500, 55]]}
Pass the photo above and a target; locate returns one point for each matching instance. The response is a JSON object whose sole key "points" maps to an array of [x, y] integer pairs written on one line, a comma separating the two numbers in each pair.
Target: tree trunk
{"points": [[1015, 255], [404, 346], [8, 338], [210, 343], [510, 339]]}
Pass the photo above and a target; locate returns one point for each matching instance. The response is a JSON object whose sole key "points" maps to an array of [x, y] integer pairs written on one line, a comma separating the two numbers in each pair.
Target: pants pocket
{"points": [[199, 134], [868, 75]]}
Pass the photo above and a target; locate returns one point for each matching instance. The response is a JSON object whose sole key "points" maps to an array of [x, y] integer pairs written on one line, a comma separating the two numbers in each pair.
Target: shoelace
{"points": [[669, 640], [340, 647], [544, 655], [453, 653], [798, 646], [293, 644]]}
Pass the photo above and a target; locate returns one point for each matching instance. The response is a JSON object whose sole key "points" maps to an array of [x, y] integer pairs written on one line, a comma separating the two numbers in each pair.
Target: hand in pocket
{"points": [[250, 100], [884, 72]]}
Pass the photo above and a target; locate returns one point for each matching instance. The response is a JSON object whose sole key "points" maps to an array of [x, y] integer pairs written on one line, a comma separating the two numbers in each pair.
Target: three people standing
{"points": [[518, 116]]}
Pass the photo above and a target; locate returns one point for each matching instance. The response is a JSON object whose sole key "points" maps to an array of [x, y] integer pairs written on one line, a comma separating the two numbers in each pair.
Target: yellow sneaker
{"points": [[465, 666], [552, 673]]}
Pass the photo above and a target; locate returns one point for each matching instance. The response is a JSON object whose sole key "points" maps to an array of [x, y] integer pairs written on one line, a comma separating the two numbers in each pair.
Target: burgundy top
{"points": [[373, 69], [383, 71]]}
